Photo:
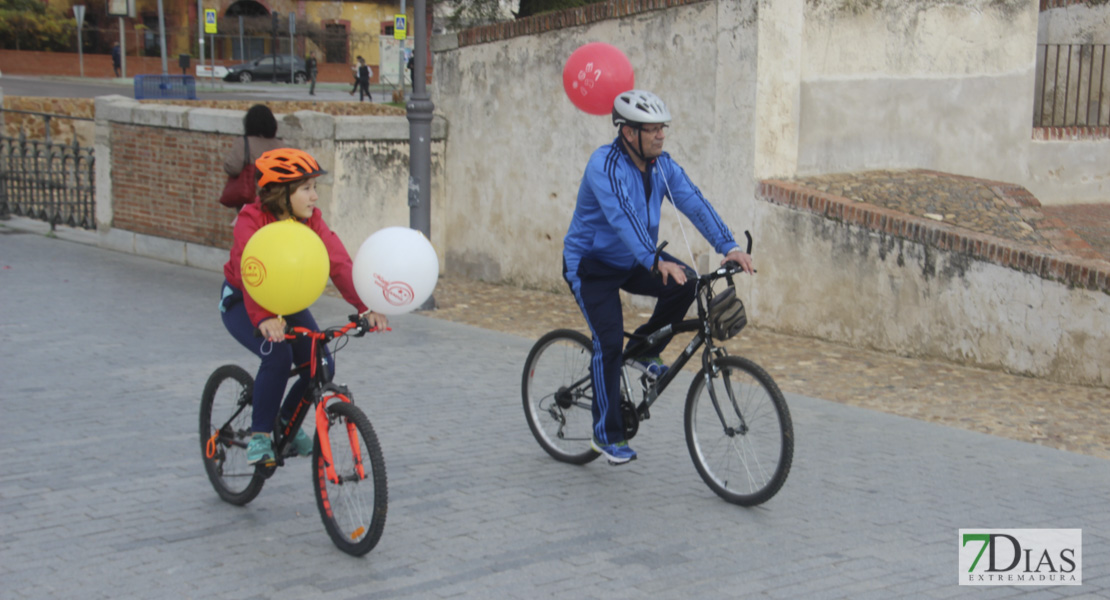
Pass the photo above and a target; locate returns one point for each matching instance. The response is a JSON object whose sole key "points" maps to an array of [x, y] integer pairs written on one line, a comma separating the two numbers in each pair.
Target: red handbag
{"points": [[240, 190]]}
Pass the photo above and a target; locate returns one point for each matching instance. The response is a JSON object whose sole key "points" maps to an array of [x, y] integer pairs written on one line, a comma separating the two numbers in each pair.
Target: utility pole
{"points": [[273, 45], [162, 38], [419, 109], [79, 14], [401, 54], [200, 34]]}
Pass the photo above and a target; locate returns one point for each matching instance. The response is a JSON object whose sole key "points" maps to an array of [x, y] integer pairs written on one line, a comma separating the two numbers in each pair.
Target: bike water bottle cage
{"points": [[726, 315]]}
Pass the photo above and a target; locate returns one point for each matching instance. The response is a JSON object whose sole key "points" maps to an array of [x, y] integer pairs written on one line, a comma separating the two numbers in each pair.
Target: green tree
{"points": [[31, 25]]}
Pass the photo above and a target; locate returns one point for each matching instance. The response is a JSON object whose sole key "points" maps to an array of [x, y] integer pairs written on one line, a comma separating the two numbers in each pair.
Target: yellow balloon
{"points": [[285, 267]]}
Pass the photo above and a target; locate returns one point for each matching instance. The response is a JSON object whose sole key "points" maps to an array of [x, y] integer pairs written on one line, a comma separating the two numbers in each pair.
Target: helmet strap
{"points": [[638, 149]]}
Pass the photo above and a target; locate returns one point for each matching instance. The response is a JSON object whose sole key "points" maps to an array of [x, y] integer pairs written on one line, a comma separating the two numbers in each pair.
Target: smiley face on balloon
{"points": [[593, 76], [254, 272]]}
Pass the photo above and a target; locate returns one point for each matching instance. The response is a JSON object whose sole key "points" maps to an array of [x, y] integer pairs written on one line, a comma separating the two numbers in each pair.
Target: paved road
{"points": [[102, 492], [88, 87]]}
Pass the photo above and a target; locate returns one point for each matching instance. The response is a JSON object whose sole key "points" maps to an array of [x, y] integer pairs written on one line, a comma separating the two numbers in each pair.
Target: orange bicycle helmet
{"points": [[286, 165]]}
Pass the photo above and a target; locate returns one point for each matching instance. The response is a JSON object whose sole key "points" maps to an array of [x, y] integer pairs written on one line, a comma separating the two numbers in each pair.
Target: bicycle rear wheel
{"points": [[354, 507], [225, 431], [558, 395], [745, 457]]}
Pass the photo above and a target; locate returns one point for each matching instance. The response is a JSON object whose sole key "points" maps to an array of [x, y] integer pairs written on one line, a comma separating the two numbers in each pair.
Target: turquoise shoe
{"points": [[260, 450]]}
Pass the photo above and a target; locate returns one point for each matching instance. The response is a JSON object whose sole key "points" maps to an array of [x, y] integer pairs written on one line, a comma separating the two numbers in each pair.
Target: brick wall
{"points": [[178, 199], [1050, 4], [1058, 266], [572, 17], [64, 64]]}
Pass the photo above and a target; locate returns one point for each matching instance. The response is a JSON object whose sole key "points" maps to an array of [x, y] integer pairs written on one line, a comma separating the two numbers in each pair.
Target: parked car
{"points": [[262, 69]]}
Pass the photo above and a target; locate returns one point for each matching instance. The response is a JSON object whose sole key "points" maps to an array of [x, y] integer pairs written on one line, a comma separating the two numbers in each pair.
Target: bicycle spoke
{"points": [[353, 507], [225, 429], [555, 389], [742, 445]]}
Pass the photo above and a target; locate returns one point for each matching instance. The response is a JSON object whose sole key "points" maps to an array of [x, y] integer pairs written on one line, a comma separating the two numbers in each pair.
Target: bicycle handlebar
{"points": [[356, 322], [727, 270]]}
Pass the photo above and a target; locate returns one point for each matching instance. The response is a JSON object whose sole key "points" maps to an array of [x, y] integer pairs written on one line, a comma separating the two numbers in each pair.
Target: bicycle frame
{"points": [[321, 390], [702, 338]]}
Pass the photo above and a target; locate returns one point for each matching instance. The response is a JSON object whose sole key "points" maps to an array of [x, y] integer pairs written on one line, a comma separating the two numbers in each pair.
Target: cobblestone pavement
{"points": [[1067, 417], [103, 495], [1021, 408]]}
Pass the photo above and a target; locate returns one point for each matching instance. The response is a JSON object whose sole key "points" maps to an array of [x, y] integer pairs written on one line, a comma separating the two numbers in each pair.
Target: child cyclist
{"points": [[287, 190]]}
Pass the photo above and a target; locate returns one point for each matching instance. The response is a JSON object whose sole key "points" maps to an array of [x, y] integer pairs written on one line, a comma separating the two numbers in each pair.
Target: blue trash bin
{"points": [[165, 87]]}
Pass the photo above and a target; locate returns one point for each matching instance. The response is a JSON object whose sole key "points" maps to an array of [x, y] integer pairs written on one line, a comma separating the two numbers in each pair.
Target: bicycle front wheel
{"points": [[742, 444], [225, 431], [353, 506], [558, 395]]}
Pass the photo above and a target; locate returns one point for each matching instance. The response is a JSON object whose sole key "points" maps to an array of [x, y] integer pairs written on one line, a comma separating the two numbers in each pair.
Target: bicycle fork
{"points": [[322, 423], [713, 372]]}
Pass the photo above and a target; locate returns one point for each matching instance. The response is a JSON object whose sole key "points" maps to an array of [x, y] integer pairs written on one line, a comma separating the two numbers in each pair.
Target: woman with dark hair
{"points": [[260, 129]]}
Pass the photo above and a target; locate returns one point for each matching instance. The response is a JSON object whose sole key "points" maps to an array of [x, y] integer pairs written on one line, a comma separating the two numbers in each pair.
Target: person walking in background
{"points": [[259, 136], [117, 59], [412, 69], [310, 66], [362, 81]]}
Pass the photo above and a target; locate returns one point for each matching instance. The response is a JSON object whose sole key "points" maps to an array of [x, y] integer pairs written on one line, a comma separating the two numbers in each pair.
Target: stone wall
{"points": [[851, 272], [781, 89], [518, 146], [947, 86], [159, 173]]}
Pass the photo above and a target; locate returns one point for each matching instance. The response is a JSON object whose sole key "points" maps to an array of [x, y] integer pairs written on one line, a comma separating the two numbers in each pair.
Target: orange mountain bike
{"points": [[348, 471]]}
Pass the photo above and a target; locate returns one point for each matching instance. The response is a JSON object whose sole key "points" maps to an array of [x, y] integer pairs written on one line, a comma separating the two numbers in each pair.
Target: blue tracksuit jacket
{"points": [[617, 222]]}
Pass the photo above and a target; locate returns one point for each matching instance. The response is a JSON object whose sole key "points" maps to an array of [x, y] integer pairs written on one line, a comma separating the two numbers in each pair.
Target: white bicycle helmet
{"points": [[639, 107]]}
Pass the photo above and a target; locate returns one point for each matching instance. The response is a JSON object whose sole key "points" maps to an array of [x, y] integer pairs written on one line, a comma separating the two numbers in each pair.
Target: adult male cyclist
{"points": [[611, 243]]}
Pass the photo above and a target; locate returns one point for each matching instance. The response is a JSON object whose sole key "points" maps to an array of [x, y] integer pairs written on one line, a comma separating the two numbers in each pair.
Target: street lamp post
{"points": [[420, 108]]}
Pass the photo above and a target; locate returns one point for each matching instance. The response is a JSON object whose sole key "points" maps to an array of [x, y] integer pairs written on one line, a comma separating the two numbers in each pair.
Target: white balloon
{"points": [[395, 270]]}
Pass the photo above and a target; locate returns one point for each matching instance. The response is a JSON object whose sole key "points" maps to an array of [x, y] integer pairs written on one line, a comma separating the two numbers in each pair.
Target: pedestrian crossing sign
{"points": [[400, 27], [210, 21]]}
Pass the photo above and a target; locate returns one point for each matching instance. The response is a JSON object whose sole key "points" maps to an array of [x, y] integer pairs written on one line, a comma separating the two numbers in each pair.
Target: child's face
{"points": [[304, 199]]}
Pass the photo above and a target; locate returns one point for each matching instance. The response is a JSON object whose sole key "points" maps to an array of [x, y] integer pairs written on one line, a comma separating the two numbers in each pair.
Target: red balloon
{"points": [[593, 76]]}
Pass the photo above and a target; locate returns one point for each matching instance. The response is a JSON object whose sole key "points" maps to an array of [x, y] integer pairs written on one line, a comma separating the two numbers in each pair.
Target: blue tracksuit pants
{"points": [[596, 287], [277, 360]]}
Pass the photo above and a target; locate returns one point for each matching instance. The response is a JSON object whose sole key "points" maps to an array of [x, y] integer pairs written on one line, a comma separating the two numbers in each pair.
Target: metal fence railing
{"points": [[48, 181], [1071, 86]]}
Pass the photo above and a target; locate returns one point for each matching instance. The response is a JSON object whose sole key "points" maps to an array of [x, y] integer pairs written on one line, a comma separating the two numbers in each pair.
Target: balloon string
{"points": [[680, 226], [264, 350]]}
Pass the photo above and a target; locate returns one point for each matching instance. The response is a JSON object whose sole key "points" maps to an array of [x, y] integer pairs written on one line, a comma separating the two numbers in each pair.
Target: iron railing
{"points": [[1072, 90], [48, 181]]}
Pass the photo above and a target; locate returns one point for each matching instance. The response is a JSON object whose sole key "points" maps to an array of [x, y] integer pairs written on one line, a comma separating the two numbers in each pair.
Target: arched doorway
{"points": [[248, 29]]}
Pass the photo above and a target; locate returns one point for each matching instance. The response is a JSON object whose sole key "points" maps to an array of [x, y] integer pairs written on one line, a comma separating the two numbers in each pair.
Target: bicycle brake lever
{"points": [[655, 263]]}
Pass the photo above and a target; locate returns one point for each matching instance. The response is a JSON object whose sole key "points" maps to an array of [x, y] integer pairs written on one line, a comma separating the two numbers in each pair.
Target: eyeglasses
{"points": [[654, 130]]}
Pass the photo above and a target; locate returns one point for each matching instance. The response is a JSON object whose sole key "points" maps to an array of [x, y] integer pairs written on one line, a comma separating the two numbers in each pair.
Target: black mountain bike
{"points": [[738, 427], [348, 471]]}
